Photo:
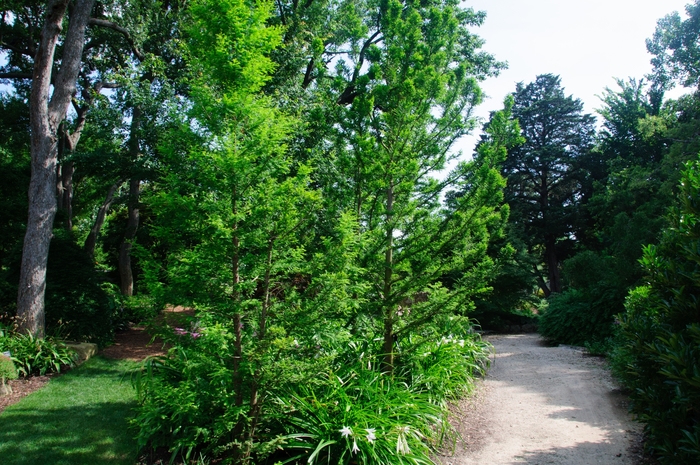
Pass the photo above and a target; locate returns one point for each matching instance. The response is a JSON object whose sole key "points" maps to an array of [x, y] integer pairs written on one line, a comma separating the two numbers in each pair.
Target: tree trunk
{"points": [[125, 273], [552, 264], [67, 171], [388, 364], [91, 240], [45, 117], [237, 319], [541, 283]]}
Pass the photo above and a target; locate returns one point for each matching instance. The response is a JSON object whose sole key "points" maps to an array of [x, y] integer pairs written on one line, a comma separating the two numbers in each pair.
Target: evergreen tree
{"points": [[546, 174]]}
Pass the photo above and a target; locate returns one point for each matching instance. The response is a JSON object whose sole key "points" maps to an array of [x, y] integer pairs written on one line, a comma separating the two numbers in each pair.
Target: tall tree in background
{"points": [[544, 174], [676, 49]]}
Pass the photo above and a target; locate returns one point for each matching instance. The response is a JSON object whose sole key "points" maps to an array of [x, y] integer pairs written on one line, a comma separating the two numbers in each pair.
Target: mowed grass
{"points": [[78, 418]]}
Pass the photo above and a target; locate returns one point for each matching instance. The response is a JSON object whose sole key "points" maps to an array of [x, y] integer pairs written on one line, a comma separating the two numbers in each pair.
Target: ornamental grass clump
{"points": [[362, 415]]}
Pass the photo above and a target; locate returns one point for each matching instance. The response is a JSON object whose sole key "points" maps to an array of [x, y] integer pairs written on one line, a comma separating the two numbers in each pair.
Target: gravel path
{"points": [[544, 405]]}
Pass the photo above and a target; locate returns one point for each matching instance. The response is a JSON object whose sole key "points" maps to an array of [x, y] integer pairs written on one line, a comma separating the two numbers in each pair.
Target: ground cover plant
{"points": [[338, 407], [8, 371], [78, 418]]}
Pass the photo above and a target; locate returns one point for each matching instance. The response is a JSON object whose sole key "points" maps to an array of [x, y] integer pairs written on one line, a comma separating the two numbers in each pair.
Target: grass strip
{"points": [[78, 418]]}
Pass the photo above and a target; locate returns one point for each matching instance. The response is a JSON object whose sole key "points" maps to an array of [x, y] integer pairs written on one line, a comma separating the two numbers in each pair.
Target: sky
{"points": [[588, 43]]}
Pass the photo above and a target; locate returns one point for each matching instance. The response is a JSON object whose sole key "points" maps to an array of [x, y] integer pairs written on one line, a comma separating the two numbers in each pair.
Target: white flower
{"points": [[401, 442], [370, 434], [346, 431], [355, 449]]}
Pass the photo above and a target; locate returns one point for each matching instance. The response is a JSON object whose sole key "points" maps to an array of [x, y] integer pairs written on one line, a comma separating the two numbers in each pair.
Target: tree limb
{"points": [[349, 94], [15, 75], [119, 29]]}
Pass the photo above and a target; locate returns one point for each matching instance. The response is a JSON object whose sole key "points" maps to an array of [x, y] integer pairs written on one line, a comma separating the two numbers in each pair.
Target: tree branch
{"points": [[119, 29], [349, 94], [16, 75]]}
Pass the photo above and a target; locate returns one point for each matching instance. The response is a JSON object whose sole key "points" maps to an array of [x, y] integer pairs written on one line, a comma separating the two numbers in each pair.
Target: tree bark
{"points": [[552, 264], [91, 240], [45, 117], [125, 273], [388, 364], [67, 171], [66, 168]]}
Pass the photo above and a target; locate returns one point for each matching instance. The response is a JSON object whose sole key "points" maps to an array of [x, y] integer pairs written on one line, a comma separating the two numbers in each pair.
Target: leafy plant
{"points": [[359, 414], [35, 355], [584, 313], [7, 371], [80, 305], [658, 342]]}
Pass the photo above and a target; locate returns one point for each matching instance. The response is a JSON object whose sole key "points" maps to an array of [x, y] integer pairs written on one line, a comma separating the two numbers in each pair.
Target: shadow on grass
{"points": [[78, 418]]}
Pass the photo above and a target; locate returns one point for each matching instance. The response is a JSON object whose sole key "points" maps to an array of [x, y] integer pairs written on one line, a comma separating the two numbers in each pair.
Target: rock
{"points": [[85, 350], [5, 389]]}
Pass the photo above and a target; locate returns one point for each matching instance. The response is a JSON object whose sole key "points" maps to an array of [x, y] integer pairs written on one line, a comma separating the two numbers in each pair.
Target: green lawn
{"points": [[78, 418]]}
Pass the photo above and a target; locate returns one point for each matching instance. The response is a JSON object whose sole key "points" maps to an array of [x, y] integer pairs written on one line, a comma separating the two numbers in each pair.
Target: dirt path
{"points": [[544, 405]]}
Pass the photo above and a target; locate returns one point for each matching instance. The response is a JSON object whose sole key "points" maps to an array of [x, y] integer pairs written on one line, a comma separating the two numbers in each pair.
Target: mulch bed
{"points": [[133, 344]]}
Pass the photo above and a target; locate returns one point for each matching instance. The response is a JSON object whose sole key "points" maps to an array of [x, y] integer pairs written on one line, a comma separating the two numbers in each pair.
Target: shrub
{"points": [[573, 318], [7, 371], [318, 401], [194, 405], [139, 309], [80, 304], [658, 341], [584, 313], [7, 368]]}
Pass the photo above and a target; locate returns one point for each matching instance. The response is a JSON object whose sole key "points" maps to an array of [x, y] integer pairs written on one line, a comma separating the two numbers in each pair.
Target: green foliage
{"points": [[584, 312], [361, 416], [8, 370], [548, 174], [36, 356], [568, 318], [80, 304], [195, 405], [659, 334], [14, 181], [627, 207], [357, 414], [139, 309], [675, 48]]}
